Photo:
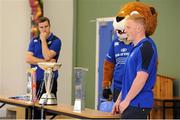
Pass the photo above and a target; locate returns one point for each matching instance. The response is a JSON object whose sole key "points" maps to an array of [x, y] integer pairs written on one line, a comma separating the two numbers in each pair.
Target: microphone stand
{"points": [[38, 97], [46, 98]]}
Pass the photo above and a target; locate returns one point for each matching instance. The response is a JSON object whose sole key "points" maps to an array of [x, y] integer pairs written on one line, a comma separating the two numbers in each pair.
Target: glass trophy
{"points": [[48, 98], [79, 75], [31, 84]]}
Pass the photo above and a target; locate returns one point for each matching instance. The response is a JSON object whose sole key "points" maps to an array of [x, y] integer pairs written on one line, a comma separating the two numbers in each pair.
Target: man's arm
{"points": [[116, 107], [33, 60], [107, 79], [47, 54], [108, 70], [136, 87]]}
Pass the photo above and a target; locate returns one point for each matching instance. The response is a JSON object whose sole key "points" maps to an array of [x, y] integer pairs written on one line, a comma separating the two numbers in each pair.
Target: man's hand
{"points": [[116, 107], [43, 36], [107, 94], [52, 60]]}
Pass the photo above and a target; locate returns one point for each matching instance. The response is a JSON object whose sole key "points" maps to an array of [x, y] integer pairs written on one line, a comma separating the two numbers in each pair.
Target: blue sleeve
{"points": [[145, 56], [111, 55], [31, 46], [56, 46]]}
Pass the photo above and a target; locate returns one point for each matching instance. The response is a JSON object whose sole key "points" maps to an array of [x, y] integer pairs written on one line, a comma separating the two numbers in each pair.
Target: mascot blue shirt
{"points": [[117, 55]]}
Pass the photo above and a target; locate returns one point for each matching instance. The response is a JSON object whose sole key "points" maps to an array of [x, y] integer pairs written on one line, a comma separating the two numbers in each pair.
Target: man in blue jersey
{"points": [[44, 48], [115, 60], [136, 98]]}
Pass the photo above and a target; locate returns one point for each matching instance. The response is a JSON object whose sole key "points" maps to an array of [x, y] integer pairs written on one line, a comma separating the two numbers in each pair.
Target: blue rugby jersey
{"points": [[143, 57], [54, 43], [117, 55]]}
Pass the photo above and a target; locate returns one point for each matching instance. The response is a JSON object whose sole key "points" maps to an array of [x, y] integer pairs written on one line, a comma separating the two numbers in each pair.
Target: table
{"points": [[67, 110], [22, 103], [167, 100], [60, 109]]}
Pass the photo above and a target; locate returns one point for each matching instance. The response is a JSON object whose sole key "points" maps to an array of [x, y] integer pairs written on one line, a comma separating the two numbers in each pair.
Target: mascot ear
{"points": [[134, 12], [153, 11], [118, 23]]}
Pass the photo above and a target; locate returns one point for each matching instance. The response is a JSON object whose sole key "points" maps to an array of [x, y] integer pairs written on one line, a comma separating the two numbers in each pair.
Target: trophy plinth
{"points": [[48, 98]]}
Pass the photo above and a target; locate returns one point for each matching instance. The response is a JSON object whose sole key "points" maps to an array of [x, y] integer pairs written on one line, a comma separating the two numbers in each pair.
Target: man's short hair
{"points": [[139, 19], [43, 19]]}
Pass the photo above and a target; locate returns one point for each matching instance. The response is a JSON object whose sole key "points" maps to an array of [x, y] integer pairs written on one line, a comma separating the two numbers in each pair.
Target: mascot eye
{"points": [[120, 31]]}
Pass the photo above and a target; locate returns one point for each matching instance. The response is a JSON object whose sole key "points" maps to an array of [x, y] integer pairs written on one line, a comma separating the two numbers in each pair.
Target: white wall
{"points": [[14, 40], [0, 48], [15, 34], [60, 13]]}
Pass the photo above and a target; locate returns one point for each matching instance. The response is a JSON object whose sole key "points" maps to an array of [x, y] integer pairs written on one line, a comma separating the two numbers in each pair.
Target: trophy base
{"points": [[48, 99], [78, 105]]}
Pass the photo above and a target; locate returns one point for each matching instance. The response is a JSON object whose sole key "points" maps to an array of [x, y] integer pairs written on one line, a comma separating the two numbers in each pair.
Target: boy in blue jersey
{"points": [[44, 48], [136, 98], [115, 60]]}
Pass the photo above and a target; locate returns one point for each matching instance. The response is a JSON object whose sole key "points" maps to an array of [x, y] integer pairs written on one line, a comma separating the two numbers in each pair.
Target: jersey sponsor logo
{"points": [[120, 60], [123, 49], [35, 40], [117, 55], [122, 54], [116, 43]]}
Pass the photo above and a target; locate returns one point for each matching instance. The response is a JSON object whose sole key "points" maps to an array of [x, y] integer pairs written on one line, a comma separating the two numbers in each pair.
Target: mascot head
{"points": [[119, 27], [145, 10]]}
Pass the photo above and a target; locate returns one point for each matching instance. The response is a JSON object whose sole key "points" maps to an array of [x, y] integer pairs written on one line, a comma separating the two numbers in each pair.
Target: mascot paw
{"points": [[107, 94]]}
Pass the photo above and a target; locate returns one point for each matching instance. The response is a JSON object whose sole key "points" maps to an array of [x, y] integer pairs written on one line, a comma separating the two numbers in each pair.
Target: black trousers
{"points": [[135, 113], [115, 94]]}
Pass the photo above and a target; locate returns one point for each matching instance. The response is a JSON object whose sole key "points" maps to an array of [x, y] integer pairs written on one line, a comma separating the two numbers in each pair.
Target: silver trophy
{"points": [[48, 98], [79, 75], [31, 84]]}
